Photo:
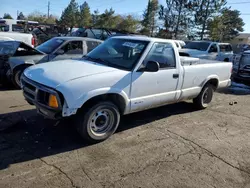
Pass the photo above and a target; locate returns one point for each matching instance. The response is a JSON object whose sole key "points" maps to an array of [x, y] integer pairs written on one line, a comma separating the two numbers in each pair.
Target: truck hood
{"points": [[191, 51], [53, 74]]}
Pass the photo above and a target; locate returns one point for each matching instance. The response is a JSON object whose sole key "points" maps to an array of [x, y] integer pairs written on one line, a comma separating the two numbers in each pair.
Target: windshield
{"points": [[8, 47], [119, 53], [202, 46], [50, 46]]}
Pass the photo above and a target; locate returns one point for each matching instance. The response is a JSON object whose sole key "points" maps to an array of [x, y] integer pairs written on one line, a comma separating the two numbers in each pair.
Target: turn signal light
{"points": [[53, 101]]}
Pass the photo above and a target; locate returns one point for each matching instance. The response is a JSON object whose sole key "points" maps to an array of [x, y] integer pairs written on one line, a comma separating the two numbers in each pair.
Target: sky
{"points": [[134, 7]]}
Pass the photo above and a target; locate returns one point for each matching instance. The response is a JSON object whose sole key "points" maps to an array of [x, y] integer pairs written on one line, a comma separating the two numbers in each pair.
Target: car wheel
{"points": [[205, 97], [99, 122], [16, 78]]}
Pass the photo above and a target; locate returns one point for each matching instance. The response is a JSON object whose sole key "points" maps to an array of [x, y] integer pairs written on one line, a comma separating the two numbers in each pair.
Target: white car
{"points": [[208, 50], [122, 75], [13, 30]]}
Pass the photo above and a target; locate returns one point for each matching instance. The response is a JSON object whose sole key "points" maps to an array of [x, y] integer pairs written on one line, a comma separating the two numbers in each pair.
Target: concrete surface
{"points": [[172, 146]]}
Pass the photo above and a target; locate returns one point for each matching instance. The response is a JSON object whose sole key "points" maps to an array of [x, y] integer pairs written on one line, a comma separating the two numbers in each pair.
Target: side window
{"points": [[91, 45], [164, 54], [73, 47], [213, 49]]}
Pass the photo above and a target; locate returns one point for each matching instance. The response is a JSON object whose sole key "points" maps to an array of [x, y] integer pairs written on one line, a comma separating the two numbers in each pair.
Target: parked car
{"points": [[121, 76], [15, 30], [208, 50], [241, 68], [58, 48]]}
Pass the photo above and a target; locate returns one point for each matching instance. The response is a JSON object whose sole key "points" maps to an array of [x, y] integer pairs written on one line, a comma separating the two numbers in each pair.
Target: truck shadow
{"points": [[33, 137]]}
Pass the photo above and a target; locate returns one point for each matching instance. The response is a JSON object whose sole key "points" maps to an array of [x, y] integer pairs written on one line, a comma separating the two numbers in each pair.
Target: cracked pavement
{"points": [[172, 146]]}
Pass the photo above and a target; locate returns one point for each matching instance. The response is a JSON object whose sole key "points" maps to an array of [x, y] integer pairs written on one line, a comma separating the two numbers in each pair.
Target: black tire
{"points": [[205, 97], [16, 78], [89, 121]]}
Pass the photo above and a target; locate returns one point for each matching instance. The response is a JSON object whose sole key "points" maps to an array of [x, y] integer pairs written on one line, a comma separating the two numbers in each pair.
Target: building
{"points": [[240, 42]]}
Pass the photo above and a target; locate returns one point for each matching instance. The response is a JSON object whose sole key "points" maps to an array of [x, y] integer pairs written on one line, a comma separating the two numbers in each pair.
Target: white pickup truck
{"points": [[121, 76], [14, 30], [208, 50]]}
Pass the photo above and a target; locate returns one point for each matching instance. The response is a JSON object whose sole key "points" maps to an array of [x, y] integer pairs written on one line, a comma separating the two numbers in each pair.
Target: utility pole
{"points": [[17, 14], [48, 8]]}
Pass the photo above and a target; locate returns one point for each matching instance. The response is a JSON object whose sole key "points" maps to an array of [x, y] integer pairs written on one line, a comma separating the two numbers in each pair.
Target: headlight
{"points": [[53, 101]]}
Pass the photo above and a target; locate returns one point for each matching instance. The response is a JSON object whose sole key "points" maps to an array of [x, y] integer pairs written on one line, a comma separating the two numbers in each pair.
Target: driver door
{"points": [[151, 89], [72, 49]]}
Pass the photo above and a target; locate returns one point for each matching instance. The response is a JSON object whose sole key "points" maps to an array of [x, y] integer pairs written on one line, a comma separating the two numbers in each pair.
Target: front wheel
{"points": [[205, 97], [16, 78], [99, 122]]}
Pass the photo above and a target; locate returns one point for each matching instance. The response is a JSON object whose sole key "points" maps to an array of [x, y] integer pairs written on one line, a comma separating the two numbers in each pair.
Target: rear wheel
{"points": [[99, 122], [205, 97]]}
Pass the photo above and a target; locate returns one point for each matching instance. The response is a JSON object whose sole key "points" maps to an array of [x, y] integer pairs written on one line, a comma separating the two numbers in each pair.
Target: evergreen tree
{"points": [[95, 18], [204, 11], [150, 17], [226, 26], [70, 15], [85, 15], [7, 16], [128, 24], [21, 16]]}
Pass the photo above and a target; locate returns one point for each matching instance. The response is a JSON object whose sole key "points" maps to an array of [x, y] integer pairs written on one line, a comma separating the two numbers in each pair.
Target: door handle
{"points": [[175, 75]]}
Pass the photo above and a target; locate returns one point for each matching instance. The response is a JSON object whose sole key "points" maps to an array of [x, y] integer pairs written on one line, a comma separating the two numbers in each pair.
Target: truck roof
{"points": [[144, 38]]}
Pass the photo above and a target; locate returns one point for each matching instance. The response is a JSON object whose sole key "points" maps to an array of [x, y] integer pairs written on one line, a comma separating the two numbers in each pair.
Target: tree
{"points": [[108, 19], [95, 17], [7, 16], [226, 26], [70, 15], [177, 16], [85, 15], [41, 18], [204, 11], [128, 23], [150, 18], [21, 16]]}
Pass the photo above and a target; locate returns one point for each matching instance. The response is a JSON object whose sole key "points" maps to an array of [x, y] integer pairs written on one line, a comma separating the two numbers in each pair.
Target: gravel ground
{"points": [[172, 146]]}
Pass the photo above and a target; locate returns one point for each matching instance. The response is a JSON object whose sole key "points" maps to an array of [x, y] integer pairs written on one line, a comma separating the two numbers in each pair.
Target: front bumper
{"points": [[236, 77], [37, 94]]}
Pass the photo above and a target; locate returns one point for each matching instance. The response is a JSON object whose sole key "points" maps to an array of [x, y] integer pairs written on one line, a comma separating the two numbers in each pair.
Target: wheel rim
{"points": [[207, 96], [101, 121], [17, 78]]}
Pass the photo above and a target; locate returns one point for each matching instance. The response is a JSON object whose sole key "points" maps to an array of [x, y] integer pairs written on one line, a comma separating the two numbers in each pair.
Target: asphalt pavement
{"points": [[171, 146]]}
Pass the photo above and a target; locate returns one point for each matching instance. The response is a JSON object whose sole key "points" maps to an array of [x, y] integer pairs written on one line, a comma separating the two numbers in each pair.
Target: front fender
{"points": [[14, 63], [71, 106]]}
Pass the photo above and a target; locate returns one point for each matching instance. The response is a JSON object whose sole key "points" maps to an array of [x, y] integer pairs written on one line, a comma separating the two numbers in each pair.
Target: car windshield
{"points": [[118, 53], [202, 46], [49, 46], [8, 47]]}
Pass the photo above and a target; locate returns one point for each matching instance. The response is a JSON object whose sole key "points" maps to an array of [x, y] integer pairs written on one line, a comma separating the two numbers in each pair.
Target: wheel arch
{"points": [[213, 80]]}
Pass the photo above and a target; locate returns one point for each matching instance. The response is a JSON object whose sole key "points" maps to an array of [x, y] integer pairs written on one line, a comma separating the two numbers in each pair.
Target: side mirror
{"points": [[60, 52], [152, 66]]}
